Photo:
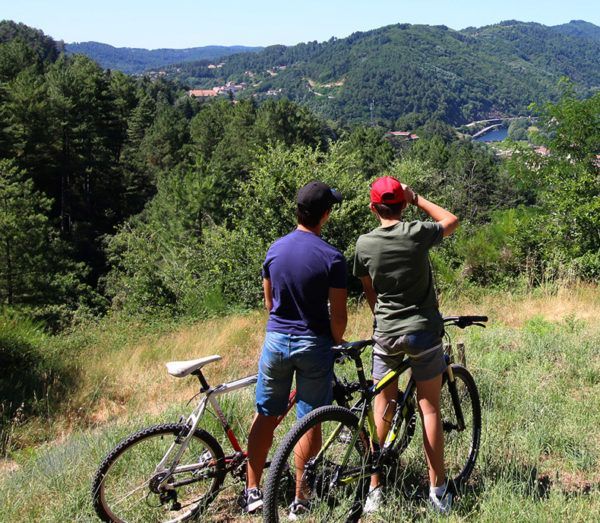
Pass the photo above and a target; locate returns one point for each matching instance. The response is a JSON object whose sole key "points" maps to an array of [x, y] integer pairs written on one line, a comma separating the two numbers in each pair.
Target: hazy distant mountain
{"points": [[579, 28], [413, 71], [133, 60]]}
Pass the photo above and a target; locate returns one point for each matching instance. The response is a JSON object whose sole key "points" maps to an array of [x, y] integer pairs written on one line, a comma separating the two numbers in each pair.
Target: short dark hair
{"points": [[309, 219], [389, 211]]}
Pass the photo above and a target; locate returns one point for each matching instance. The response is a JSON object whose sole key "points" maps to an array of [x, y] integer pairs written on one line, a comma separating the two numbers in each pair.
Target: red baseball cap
{"points": [[387, 190]]}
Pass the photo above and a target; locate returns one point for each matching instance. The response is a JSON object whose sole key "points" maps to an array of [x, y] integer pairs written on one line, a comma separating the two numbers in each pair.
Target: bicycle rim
{"points": [[127, 489]]}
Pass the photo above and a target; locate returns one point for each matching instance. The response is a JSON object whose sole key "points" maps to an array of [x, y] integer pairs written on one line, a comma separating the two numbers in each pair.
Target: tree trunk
{"points": [[9, 274]]}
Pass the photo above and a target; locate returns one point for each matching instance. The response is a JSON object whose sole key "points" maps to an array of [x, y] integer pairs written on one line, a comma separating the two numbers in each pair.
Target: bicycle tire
{"points": [[317, 480], [122, 459], [461, 448]]}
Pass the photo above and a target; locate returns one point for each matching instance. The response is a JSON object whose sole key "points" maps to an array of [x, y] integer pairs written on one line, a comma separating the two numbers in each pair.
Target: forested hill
{"points": [[417, 70], [579, 28], [133, 60]]}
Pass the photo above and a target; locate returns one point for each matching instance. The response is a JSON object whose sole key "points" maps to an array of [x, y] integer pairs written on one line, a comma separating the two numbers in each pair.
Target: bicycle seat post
{"points": [[362, 379], [203, 383]]}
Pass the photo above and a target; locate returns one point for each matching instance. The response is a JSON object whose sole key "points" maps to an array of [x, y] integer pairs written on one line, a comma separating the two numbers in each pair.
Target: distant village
{"points": [[228, 88]]}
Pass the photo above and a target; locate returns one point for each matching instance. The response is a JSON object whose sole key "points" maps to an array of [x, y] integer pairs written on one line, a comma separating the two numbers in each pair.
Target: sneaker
{"points": [[374, 500], [441, 505], [298, 509], [251, 500]]}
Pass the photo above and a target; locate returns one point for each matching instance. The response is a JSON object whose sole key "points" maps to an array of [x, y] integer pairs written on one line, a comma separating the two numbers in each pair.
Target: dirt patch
{"points": [[7, 466]]}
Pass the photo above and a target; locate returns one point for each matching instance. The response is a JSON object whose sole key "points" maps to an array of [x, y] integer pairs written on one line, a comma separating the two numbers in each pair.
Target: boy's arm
{"points": [[370, 293], [268, 292], [338, 313], [445, 218]]}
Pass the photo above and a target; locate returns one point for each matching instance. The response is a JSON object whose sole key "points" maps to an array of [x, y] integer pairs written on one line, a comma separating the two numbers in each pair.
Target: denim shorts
{"points": [[423, 348], [308, 357]]}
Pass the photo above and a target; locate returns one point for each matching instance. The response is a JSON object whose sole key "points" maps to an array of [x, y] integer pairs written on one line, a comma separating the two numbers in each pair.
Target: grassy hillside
{"points": [[537, 367]]}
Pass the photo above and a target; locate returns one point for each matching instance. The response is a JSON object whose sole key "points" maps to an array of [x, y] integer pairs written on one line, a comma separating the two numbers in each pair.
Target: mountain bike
{"points": [[336, 480], [172, 472]]}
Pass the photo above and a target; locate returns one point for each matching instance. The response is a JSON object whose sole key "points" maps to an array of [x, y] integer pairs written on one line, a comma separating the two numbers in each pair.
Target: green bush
{"points": [[34, 376], [503, 249], [232, 256]]}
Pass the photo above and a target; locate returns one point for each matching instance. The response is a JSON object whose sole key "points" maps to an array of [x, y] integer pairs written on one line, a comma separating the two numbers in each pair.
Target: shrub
{"points": [[34, 377]]}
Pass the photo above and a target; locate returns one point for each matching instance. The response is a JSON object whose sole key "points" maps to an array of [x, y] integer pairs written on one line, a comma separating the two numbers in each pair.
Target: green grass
{"points": [[538, 375]]}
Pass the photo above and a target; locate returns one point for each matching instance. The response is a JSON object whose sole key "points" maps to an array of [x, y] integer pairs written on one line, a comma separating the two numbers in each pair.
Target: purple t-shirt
{"points": [[302, 268]]}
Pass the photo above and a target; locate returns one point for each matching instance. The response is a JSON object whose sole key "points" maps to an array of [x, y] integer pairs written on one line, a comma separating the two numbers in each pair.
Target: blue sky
{"points": [[190, 23]]}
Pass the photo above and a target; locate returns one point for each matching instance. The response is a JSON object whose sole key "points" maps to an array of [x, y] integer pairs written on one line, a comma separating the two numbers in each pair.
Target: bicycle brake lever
{"points": [[479, 325]]}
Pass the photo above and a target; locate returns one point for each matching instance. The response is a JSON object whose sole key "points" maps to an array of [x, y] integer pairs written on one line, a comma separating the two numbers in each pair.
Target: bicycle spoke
{"points": [[129, 494]]}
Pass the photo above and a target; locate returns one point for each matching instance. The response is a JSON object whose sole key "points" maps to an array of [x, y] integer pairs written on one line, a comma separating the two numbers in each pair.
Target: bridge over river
{"points": [[486, 130]]}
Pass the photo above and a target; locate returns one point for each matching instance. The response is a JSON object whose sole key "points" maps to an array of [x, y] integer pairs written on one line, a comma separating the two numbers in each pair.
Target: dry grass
{"points": [[134, 379], [124, 375], [579, 302]]}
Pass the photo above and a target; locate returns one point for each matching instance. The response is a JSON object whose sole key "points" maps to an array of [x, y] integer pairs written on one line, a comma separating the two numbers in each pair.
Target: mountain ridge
{"points": [[136, 60]]}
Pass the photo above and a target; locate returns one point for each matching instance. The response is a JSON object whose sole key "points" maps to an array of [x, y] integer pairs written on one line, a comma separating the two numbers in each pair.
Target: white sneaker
{"points": [[298, 509], [251, 500], [374, 500], [441, 505]]}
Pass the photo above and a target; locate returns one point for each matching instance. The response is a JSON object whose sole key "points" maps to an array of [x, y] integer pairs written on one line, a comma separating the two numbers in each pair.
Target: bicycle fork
{"points": [[460, 420]]}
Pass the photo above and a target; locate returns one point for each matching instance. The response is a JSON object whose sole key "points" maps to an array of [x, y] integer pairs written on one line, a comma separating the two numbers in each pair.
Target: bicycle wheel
{"points": [[336, 490], [127, 486], [461, 447]]}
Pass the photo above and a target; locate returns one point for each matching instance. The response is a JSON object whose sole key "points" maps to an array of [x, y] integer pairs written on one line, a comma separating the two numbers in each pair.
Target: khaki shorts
{"points": [[423, 348]]}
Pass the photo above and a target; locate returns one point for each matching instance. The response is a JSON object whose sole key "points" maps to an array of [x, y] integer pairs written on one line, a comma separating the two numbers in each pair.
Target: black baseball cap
{"points": [[317, 197]]}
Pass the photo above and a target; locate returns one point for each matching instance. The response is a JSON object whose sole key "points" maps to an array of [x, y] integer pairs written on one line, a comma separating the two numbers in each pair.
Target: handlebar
{"points": [[354, 348], [352, 345], [351, 349], [465, 321]]}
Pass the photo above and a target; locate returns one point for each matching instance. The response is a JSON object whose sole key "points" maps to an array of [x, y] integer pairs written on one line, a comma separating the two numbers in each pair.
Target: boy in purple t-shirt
{"points": [[302, 274]]}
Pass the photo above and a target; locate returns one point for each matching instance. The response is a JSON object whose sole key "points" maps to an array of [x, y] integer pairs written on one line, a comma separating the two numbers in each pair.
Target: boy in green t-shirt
{"points": [[392, 262]]}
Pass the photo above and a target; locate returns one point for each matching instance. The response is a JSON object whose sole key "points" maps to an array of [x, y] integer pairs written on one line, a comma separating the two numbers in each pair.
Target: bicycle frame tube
{"points": [[390, 376], [224, 389], [399, 415], [192, 421], [455, 401]]}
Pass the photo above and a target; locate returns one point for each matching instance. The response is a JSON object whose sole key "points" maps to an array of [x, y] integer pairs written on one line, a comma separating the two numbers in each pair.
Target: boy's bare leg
{"points": [[428, 395], [382, 400], [308, 447], [259, 443]]}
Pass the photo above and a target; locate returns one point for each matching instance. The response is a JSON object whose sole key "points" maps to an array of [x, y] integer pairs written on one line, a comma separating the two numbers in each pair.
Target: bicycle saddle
{"points": [[181, 369]]}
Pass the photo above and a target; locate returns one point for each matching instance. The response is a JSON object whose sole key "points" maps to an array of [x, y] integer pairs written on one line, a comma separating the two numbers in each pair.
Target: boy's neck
{"points": [[315, 230], [388, 223]]}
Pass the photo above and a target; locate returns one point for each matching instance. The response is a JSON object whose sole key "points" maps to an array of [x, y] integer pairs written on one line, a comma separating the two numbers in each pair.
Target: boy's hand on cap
{"points": [[409, 195]]}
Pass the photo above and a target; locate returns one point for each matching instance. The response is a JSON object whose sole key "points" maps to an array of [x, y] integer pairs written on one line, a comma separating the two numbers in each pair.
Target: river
{"points": [[497, 135]]}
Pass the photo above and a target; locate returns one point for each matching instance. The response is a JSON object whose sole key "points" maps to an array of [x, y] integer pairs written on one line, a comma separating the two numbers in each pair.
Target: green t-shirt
{"points": [[397, 259]]}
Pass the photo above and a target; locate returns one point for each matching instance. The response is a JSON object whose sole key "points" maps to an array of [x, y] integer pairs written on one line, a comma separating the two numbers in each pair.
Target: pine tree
{"points": [[25, 237]]}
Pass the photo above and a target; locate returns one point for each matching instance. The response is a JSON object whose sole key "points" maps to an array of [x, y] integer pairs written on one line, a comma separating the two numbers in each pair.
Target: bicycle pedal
{"points": [[205, 458], [345, 436]]}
